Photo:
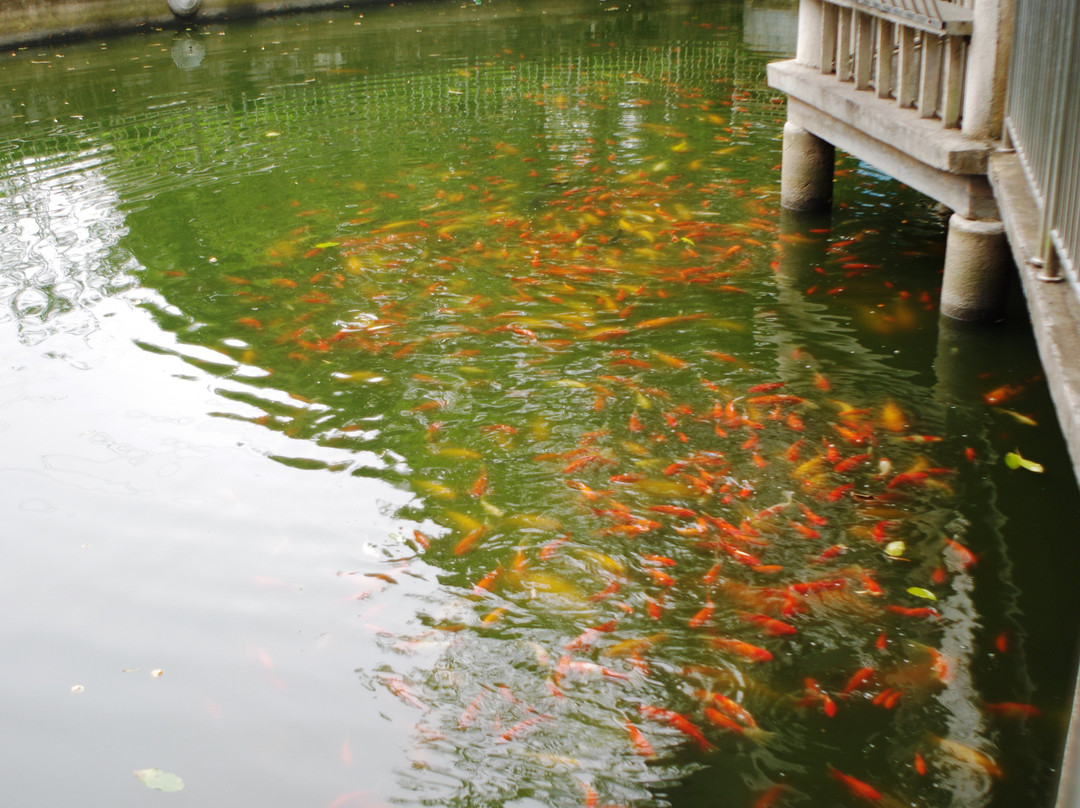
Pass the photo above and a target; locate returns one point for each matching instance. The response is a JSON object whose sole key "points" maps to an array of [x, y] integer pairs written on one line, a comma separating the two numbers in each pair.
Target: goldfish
{"points": [[468, 542], [726, 705], [753, 653], [857, 787], [638, 739], [587, 669], [769, 625], [1011, 709], [999, 395], [967, 755], [679, 722]]}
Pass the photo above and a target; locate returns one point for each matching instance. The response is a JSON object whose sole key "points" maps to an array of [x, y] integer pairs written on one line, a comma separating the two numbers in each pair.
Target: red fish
{"points": [[770, 625], [855, 786], [766, 387], [914, 611], [847, 464], [728, 706], [680, 722], [1012, 709], [964, 556], [744, 649], [470, 540], [641, 743], [769, 798], [703, 616], [920, 764], [857, 680]]}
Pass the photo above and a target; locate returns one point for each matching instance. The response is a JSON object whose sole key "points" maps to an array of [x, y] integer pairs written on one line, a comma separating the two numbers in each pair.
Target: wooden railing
{"points": [[911, 51]]}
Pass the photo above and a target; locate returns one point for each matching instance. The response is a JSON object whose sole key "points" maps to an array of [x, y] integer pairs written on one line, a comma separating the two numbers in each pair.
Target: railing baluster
{"points": [[864, 50], [907, 88], [829, 15], [930, 81], [952, 102], [884, 77], [843, 45], [913, 51]]}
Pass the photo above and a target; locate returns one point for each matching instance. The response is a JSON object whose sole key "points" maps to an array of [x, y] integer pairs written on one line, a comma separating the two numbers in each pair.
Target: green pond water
{"points": [[431, 405]]}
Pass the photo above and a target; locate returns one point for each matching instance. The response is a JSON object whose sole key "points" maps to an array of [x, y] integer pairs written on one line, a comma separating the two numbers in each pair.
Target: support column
{"points": [[806, 170], [977, 266]]}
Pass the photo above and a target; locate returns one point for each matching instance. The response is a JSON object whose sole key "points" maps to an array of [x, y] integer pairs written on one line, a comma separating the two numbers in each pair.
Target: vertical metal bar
{"points": [[953, 96], [907, 88], [1062, 82], [829, 15], [864, 50], [930, 81], [843, 45], [884, 77]]}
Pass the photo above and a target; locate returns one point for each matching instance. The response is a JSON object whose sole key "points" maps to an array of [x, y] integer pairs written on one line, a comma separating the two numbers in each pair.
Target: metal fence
{"points": [[1043, 120]]}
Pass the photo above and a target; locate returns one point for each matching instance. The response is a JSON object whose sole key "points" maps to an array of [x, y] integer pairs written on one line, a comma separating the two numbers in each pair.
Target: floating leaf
{"points": [[919, 592], [162, 781], [1014, 461], [326, 244], [895, 549]]}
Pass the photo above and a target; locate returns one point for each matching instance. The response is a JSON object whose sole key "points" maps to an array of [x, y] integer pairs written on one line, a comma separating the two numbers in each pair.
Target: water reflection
{"points": [[500, 337], [59, 230]]}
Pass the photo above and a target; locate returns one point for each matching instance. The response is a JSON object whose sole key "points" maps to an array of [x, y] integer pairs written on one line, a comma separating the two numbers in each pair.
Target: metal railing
{"points": [[1042, 121], [911, 51]]}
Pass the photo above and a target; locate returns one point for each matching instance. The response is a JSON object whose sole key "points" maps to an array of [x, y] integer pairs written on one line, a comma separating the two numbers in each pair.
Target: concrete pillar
{"points": [[977, 266], [808, 45], [987, 68], [806, 170]]}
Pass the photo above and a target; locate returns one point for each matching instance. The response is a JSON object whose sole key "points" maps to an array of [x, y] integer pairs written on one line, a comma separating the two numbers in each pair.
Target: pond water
{"points": [[431, 405]]}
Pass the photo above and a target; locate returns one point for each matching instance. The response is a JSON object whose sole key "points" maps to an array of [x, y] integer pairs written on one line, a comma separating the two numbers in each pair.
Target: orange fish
{"points": [[703, 616], [857, 680], [770, 625], [470, 540], [641, 743], [744, 649], [680, 722], [857, 787]]}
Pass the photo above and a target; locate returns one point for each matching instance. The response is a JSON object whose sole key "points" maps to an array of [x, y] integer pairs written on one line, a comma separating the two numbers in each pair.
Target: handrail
{"points": [[926, 15], [910, 51], [1042, 116]]}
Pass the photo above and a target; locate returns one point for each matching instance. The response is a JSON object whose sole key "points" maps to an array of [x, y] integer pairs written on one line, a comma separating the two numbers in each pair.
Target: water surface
{"points": [[432, 405]]}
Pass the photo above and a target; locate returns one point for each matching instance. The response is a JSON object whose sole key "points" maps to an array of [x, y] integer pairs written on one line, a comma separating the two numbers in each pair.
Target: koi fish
{"points": [[914, 611], [469, 541], [770, 625], [679, 722], [744, 649], [521, 726], [769, 798], [638, 739], [1012, 709], [857, 680], [968, 755], [703, 616], [728, 706], [999, 395], [766, 387], [857, 787], [587, 669]]}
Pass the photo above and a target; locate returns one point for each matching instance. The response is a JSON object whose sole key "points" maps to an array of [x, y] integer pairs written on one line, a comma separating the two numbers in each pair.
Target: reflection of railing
{"points": [[913, 51], [1042, 119]]}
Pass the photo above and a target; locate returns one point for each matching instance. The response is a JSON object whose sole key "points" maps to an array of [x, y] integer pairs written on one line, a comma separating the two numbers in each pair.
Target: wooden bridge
{"points": [[975, 103]]}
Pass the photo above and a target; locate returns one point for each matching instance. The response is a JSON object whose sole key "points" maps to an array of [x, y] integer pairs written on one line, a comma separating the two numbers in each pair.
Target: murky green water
{"points": [[431, 405]]}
